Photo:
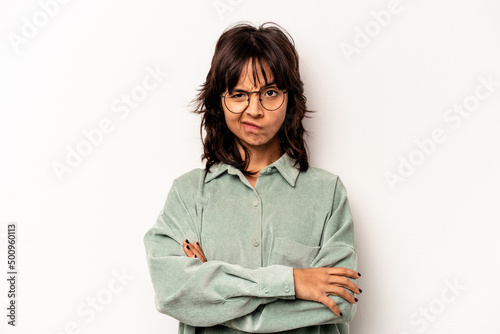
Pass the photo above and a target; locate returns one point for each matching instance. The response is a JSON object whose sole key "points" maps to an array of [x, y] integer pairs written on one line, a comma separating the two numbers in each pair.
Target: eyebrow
{"points": [[263, 87]]}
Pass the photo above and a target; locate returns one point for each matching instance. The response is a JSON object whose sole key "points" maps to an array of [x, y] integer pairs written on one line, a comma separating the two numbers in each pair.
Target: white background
{"points": [[436, 227]]}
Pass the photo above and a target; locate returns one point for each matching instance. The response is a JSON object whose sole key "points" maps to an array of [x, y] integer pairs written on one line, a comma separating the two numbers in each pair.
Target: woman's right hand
{"points": [[317, 283]]}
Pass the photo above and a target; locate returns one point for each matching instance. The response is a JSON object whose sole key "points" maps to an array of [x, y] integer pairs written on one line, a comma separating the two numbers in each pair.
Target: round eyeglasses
{"points": [[237, 101]]}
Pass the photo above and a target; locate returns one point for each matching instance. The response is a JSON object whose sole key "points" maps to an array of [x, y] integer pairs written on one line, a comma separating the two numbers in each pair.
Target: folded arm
{"points": [[324, 292]]}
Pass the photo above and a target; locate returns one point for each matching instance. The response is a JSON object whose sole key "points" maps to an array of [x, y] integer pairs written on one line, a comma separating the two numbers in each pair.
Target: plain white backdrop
{"points": [[95, 125]]}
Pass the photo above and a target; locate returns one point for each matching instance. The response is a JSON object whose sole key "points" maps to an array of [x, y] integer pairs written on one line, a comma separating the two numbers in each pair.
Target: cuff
{"points": [[276, 281]]}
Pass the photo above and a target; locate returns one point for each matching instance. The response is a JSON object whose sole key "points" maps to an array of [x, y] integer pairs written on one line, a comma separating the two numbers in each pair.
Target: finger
{"points": [[330, 304], [199, 251], [340, 271], [344, 282], [194, 250], [342, 293], [188, 248]]}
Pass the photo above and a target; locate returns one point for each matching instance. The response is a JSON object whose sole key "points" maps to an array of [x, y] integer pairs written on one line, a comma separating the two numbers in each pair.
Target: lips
{"points": [[251, 124]]}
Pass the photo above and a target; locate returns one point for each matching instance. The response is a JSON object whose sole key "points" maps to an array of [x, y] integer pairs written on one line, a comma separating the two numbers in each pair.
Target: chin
{"points": [[252, 144], [257, 144]]}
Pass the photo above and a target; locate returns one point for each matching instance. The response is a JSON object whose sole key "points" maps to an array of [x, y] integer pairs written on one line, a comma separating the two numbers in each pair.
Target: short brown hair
{"points": [[270, 44]]}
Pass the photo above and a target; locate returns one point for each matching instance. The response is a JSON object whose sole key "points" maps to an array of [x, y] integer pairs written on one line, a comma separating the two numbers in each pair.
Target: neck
{"points": [[261, 157]]}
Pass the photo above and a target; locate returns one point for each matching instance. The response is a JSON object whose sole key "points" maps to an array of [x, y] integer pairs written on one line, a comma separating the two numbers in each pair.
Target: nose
{"points": [[254, 107]]}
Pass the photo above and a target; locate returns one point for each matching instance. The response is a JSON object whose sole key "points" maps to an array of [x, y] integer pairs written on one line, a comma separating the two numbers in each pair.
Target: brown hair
{"points": [[270, 44]]}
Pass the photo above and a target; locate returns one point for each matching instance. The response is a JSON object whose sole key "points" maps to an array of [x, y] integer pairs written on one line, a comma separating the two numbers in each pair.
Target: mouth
{"points": [[250, 127], [250, 124]]}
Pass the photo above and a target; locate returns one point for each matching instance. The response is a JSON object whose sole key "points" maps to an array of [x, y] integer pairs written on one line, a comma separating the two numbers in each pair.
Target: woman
{"points": [[258, 241]]}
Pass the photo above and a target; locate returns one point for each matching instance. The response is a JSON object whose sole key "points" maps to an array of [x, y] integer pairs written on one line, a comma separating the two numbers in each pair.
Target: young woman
{"points": [[258, 241]]}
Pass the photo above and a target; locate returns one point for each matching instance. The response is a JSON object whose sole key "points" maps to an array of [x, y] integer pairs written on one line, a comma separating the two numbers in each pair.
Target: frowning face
{"points": [[256, 127]]}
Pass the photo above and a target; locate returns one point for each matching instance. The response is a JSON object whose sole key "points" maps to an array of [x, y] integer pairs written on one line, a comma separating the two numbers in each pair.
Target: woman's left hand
{"points": [[194, 250]]}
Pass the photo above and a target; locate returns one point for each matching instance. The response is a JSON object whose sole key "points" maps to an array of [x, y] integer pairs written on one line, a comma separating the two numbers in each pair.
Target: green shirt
{"points": [[252, 238]]}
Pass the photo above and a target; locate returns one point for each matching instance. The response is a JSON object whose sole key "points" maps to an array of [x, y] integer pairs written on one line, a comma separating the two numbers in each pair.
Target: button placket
{"points": [[256, 240]]}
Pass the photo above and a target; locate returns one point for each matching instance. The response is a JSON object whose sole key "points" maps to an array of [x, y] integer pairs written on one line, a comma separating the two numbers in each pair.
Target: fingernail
{"points": [[195, 256], [187, 246], [356, 299], [187, 241], [340, 313], [196, 242], [359, 274], [360, 290]]}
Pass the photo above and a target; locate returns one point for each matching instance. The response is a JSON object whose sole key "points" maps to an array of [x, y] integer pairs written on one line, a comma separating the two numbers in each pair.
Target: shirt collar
{"points": [[285, 165]]}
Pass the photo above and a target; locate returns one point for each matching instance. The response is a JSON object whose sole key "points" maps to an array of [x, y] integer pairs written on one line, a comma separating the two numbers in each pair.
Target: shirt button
{"points": [[286, 288], [269, 170], [256, 202], [266, 290], [256, 243]]}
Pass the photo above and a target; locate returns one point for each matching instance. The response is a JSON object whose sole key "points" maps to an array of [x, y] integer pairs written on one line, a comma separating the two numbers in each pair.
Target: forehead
{"points": [[254, 75]]}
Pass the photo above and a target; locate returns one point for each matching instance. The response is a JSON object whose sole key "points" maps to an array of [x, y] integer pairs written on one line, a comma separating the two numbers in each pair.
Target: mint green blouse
{"points": [[252, 238]]}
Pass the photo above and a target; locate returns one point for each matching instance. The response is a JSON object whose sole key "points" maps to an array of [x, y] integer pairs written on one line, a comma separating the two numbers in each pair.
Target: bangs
{"points": [[233, 75], [262, 55]]}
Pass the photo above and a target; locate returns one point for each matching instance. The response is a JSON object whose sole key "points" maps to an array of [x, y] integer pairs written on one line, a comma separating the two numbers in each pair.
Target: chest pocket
{"points": [[293, 254]]}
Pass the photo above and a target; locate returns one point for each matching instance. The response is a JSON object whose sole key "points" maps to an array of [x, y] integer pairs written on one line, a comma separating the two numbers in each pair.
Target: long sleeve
{"points": [[204, 294], [338, 249]]}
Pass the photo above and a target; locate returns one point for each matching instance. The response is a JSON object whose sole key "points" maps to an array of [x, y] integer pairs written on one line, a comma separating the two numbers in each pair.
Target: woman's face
{"points": [[256, 127]]}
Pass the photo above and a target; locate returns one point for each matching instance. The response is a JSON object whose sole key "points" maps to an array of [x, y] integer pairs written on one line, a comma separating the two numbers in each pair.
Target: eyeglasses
{"points": [[237, 101]]}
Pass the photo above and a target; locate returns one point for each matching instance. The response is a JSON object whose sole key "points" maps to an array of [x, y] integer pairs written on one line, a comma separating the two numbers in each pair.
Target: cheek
{"points": [[281, 117], [231, 120], [284, 110]]}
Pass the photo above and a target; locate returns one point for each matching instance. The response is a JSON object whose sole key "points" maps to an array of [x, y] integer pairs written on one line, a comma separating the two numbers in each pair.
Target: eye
{"points": [[271, 92], [236, 95]]}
